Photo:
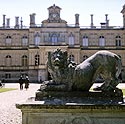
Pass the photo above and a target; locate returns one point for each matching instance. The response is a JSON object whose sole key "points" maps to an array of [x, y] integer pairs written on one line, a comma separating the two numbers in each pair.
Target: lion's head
{"points": [[57, 64]]}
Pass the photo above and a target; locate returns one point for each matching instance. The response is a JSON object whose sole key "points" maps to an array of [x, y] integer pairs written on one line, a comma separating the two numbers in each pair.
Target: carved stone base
{"points": [[55, 107], [79, 97], [39, 113]]}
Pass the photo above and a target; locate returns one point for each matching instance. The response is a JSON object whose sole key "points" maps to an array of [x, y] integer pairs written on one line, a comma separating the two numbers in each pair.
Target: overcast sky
{"points": [[23, 8]]}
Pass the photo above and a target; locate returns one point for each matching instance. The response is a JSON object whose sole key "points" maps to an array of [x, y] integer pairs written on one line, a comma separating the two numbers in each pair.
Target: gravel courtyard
{"points": [[9, 114]]}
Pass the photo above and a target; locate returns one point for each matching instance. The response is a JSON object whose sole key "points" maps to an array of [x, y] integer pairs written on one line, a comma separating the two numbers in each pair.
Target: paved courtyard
{"points": [[9, 114]]}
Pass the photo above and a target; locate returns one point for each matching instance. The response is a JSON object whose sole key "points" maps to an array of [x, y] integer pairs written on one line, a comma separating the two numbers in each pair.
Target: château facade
{"points": [[24, 51]]}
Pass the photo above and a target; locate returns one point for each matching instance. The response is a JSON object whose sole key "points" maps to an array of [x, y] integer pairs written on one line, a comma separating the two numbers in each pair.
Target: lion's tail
{"points": [[119, 66]]}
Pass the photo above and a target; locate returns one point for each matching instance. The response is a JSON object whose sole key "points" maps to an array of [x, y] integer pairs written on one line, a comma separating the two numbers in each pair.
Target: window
{"points": [[37, 39], [8, 75], [85, 41], [24, 60], [101, 41], [8, 40], [54, 38], [37, 59], [71, 39], [118, 41], [85, 57], [71, 58], [8, 60], [24, 40]]}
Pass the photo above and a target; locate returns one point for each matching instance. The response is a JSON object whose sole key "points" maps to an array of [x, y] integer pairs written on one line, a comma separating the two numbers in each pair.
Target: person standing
{"points": [[21, 82], [26, 83]]}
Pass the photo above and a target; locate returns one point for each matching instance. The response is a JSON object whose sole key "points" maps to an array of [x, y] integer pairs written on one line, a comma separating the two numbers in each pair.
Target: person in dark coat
{"points": [[21, 82], [26, 83], [0, 84]]}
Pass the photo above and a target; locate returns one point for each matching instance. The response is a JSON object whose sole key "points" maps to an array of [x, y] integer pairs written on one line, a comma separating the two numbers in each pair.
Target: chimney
{"points": [[76, 20], [106, 20], [8, 22], [4, 21], [32, 20], [21, 21], [17, 22], [123, 13], [92, 25]]}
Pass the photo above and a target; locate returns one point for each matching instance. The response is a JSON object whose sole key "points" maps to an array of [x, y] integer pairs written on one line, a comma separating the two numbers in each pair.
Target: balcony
{"points": [[3, 46], [37, 67], [12, 68], [107, 47]]}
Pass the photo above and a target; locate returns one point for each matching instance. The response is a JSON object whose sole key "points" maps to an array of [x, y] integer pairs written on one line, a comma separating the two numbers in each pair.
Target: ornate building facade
{"points": [[24, 51]]}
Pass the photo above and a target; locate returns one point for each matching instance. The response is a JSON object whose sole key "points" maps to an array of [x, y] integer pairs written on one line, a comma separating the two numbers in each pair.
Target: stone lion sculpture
{"points": [[104, 63], [82, 76]]}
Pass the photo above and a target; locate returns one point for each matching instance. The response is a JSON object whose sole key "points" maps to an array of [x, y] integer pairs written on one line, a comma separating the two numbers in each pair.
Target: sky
{"points": [[23, 8]]}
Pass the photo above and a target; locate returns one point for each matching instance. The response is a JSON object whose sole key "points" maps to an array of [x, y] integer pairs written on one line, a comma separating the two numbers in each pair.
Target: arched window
{"points": [[85, 41], [54, 38], [101, 41], [24, 40], [37, 59], [71, 58], [8, 40], [71, 39], [8, 60], [118, 41], [37, 39], [24, 60], [85, 57]]}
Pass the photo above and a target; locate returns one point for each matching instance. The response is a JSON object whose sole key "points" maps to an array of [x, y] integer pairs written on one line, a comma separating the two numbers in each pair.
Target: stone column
{"points": [[17, 22], [106, 20], [123, 12], [4, 21], [21, 21], [92, 21], [77, 20], [124, 21], [32, 20], [8, 22]]}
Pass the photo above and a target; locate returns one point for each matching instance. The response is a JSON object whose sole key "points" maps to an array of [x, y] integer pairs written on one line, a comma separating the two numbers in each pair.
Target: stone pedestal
{"points": [[38, 112]]}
